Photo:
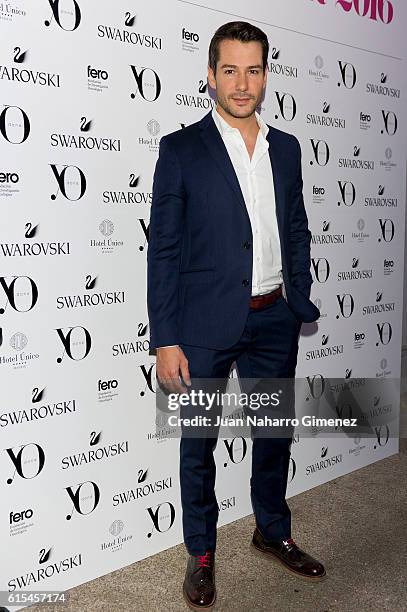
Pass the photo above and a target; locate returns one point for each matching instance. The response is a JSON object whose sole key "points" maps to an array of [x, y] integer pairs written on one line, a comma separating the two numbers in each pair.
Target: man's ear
{"points": [[211, 78]]}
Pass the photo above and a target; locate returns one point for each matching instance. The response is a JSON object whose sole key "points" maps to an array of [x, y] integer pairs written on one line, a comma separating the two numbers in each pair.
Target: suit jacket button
{"points": [[245, 282], [246, 245]]}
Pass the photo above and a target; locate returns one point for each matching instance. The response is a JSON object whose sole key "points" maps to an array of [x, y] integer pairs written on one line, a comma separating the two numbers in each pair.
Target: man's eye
{"points": [[228, 70]]}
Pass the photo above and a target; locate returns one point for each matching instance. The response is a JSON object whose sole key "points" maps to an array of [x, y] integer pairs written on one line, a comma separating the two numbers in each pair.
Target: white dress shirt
{"points": [[256, 182]]}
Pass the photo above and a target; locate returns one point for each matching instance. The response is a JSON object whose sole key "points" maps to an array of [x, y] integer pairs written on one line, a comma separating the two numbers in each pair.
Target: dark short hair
{"points": [[237, 30]]}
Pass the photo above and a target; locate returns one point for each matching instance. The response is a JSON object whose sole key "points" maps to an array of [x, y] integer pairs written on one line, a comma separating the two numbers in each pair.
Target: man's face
{"points": [[239, 80]]}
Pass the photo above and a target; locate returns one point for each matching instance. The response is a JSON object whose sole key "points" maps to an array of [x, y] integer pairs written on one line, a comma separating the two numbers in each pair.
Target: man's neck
{"points": [[247, 126]]}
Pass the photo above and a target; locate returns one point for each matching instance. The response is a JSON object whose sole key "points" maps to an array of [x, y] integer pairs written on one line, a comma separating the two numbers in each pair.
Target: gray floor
{"points": [[356, 525]]}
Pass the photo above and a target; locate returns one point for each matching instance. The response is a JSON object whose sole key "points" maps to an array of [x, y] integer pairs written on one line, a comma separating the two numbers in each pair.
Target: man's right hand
{"points": [[171, 363]]}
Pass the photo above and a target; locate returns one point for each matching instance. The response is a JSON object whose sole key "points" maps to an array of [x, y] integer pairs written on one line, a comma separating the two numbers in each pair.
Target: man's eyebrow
{"points": [[234, 66]]}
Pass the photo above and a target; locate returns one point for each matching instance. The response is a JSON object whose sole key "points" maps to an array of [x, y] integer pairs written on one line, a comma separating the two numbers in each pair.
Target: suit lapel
{"points": [[278, 185], [214, 142]]}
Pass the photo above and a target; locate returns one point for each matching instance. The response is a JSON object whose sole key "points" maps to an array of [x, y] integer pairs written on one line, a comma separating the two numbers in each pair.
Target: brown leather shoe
{"points": [[199, 584], [293, 558]]}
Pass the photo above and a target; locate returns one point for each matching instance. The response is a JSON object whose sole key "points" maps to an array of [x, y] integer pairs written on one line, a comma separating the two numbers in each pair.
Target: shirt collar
{"points": [[224, 127]]}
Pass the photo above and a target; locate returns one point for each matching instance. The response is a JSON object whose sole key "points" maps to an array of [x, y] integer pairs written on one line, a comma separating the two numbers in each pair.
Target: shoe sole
{"points": [[265, 553], [195, 607]]}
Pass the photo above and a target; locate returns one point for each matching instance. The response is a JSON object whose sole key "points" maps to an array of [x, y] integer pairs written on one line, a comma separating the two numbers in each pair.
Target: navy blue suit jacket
{"points": [[200, 255]]}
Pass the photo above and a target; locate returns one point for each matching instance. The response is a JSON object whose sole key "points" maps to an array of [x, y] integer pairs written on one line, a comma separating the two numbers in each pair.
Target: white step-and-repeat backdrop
{"points": [[86, 91]]}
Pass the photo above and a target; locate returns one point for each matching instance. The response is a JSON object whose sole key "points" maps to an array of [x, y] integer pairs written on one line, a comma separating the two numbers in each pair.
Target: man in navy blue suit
{"points": [[229, 281]]}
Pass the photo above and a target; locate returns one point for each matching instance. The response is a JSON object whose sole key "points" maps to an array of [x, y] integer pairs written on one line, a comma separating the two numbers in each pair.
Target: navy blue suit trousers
{"points": [[267, 349]]}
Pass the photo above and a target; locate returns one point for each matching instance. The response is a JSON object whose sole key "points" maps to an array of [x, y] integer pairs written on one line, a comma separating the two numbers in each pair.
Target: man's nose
{"points": [[242, 82]]}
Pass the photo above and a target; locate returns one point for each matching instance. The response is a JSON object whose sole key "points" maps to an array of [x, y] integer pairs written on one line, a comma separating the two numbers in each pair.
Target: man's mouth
{"points": [[241, 100]]}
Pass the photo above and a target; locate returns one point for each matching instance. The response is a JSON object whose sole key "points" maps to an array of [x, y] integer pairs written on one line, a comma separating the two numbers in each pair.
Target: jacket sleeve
{"points": [[300, 235], [164, 247]]}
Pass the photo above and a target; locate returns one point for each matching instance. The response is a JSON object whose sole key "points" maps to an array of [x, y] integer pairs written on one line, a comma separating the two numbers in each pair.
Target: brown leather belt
{"points": [[260, 301]]}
